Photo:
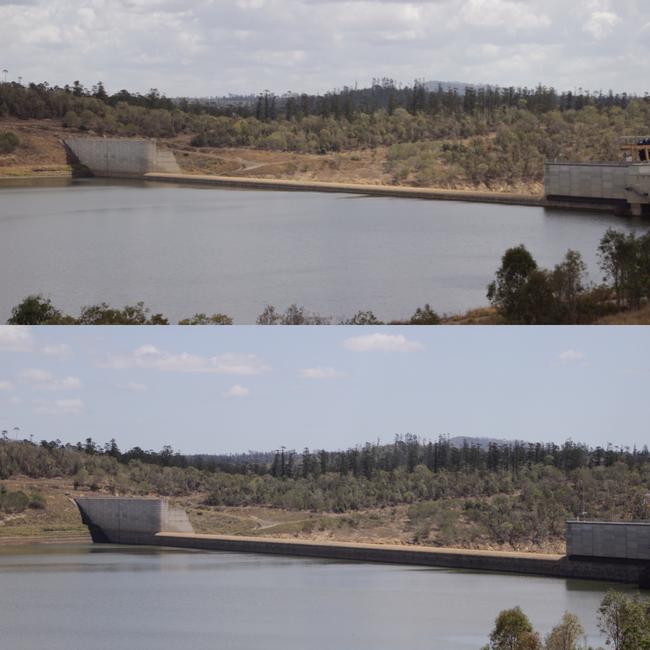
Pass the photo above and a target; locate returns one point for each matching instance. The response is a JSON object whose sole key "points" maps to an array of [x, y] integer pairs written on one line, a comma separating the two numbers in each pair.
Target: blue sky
{"points": [[208, 47], [234, 389]]}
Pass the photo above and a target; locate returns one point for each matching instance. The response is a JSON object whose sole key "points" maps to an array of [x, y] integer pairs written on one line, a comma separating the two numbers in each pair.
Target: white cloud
{"points": [[571, 356], [149, 357], [236, 391], [321, 373], [136, 387], [381, 342], [59, 350], [73, 406], [6, 385], [15, 338], [44, 379], [507, 14], [601, 24], [317, 45]]}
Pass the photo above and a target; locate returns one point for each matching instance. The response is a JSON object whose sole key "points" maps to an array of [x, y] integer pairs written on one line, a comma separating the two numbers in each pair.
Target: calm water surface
{"points": [[81, 596], [184, 250]]}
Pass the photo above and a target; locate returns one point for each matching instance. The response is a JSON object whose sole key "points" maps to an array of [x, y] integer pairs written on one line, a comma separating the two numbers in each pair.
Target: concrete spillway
{"points": [[154, 522], [118, 157], [130, 521]]}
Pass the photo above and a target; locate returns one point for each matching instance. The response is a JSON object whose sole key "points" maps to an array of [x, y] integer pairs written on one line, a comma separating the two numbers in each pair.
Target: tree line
{"points": [[623, 619], [484, 137], [503, 495]]}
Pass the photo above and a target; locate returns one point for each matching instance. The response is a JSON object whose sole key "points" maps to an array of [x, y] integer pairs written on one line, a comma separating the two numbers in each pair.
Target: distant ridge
{"points": [[483, 443], [458, 86]]}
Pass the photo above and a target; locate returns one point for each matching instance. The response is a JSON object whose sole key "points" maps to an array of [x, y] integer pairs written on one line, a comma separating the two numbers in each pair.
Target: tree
{"points": [[425, 316], [521, 292], [103, 314], [363, 318], [269, 316], [625, 620], [569, 280], [202, 319], [566, 634], [625, 260], [35, 310], [513, 631]]}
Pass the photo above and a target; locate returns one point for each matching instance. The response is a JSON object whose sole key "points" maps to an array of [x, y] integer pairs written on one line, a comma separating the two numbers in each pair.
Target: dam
{"points": [[622, 187], [152, 521]]}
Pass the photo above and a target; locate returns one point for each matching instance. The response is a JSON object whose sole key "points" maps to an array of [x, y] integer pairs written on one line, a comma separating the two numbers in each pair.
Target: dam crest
{"points": [[617, 552]]}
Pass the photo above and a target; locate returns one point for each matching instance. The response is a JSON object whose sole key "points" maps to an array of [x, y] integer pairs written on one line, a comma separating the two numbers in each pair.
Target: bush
{"points": [[13, 502], [37, 501], [8, 142]]}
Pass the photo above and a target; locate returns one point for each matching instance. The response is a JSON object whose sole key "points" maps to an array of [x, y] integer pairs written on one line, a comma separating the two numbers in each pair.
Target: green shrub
{"points": [[37, 501], [14, 502], [8, 142]]}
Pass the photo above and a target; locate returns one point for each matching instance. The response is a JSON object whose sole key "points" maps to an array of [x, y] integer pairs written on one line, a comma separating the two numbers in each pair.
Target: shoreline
{"points": [[42, 540], [371, 190]]}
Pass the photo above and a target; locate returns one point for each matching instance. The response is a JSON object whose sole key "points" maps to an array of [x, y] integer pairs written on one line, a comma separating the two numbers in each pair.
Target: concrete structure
{"points": [[624, 186], [130, 520], [153, 522], [121, 157], [610, 541]]}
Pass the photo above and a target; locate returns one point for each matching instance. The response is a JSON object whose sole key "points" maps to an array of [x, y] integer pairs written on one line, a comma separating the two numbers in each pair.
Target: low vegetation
{"points": [[623, 619], [465, 494], [8, 142], [522, 293]]}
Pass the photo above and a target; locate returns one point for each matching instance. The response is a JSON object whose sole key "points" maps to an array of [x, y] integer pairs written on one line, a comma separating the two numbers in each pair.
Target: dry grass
{"points": [[640, 317], [40, 152], [61, 521]]}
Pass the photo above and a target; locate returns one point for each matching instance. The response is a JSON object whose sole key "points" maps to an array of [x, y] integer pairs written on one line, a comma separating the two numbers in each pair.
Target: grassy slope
{"points": [[396, 525], [41, 153]]}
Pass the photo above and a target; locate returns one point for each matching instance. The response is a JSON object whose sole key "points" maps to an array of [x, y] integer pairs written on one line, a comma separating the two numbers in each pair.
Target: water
{"points": [[185, 250], [84, 596]]}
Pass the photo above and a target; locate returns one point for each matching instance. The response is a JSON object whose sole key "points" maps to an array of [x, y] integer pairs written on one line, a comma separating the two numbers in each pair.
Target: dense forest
{"points": [[512, 494], [485, 136]]}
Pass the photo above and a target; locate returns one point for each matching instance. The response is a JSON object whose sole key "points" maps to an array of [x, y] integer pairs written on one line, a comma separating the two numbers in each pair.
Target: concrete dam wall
{"points": [[623, 184], [154, 522], [130, 521], [121, 157], [609, 540]]}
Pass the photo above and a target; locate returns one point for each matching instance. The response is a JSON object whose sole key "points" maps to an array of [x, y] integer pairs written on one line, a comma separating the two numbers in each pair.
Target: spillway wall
{"points": [[121, 157], [131, 521]]}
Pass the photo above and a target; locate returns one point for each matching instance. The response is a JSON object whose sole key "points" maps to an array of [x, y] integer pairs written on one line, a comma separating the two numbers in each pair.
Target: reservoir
{"points": [[101, 597], [184, 250]]}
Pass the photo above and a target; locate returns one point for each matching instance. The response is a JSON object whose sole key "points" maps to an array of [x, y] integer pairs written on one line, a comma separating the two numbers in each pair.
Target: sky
{"points": [[214, 47], [223, 390]]}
